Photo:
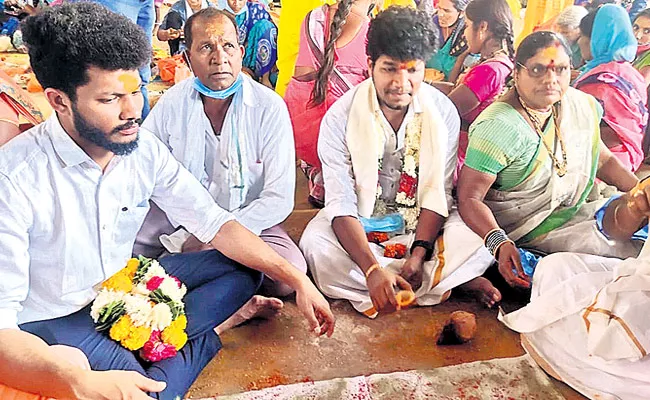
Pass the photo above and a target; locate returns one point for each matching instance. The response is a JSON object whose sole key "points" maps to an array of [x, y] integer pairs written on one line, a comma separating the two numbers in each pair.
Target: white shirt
{"points": [[340, 194], [269, 149], [67, 227]]}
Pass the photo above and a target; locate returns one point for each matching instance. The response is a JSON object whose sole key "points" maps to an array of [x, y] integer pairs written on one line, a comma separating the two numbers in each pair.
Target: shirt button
{"points": [[103, 227]]}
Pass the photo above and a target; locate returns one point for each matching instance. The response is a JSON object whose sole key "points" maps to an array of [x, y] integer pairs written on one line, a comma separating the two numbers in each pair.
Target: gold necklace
{"points": [[534, 116]]}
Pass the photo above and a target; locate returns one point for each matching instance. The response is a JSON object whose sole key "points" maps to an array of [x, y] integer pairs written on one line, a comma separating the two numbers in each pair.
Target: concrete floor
{"points": [[263, 353]]}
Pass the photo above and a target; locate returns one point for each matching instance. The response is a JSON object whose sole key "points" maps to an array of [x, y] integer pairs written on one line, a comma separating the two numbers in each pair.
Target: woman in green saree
{"points": [[532, 160]]}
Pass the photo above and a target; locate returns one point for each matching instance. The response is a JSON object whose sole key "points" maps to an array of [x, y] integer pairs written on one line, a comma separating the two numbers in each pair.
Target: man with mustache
{"points": [[234, 135], [74, 192], [388, 149]]}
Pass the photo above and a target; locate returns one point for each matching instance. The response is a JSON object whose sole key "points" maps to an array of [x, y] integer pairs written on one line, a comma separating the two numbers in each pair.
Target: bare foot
{"points": [[483, 290], [257, 307]]}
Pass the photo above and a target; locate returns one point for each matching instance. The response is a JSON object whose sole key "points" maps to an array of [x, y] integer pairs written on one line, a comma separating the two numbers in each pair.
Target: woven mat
{"points": [[505, 378]]}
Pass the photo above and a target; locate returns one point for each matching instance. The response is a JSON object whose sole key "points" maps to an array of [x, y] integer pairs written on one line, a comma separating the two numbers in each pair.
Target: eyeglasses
{"points": [[540, 70]]}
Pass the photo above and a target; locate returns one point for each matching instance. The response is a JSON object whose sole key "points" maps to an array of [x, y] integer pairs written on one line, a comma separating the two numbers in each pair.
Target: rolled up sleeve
{"points": [[340, 195], [185, 201], [14, 253]]}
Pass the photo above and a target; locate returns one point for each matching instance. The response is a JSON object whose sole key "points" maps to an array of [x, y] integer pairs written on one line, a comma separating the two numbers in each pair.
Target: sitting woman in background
{"points": [[608, 44], [567, 24], [450, 21], [532, 159], [489, 32], [171, 28], [331, 60], [17, 111], [641, 28], [259, 35]]}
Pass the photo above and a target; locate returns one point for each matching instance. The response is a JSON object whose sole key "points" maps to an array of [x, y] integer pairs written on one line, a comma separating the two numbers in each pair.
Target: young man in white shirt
{"points": [[73, 194], [388, 149], [234, 135]]}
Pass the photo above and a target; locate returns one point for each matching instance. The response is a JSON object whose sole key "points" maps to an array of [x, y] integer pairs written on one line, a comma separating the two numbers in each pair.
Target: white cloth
{"points": [[188, 10], [362, 138], [67, 227], [587, 323], [261, 116], [340, 194]]}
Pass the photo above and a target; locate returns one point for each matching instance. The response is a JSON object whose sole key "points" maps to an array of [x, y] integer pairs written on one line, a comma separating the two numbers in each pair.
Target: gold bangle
{"points": [[371, 269]]}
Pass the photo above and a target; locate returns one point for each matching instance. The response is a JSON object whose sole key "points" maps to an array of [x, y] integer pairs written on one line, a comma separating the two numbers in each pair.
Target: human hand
{"points": [[381, 285], [114, 385], [412, 271], [638, 199], [315, 308], [173, 34], [509, 260], [192, 245]]}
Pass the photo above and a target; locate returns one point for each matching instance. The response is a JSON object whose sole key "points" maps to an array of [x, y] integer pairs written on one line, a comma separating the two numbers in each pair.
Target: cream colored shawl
{"points": [[366, 142]]}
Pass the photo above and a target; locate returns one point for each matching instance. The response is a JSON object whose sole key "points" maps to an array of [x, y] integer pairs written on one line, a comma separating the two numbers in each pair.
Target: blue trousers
{"points": [[143, 13], [217, 287]]}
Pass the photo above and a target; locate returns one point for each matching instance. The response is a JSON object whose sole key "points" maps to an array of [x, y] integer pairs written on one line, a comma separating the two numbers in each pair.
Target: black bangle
{"points": [[428, 246]]}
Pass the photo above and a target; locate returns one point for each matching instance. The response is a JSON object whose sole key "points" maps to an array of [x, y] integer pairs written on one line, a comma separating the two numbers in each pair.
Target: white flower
{"points": [[104, 298], [141, 289], [379, 191], [400, 198], [170, 288], [410, 166], [161, 316], [410, 217], [139, 309], [154, 270]]}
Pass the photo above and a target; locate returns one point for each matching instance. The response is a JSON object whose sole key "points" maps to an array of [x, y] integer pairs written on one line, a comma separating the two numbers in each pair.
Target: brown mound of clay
{"points": [[459, 329]]}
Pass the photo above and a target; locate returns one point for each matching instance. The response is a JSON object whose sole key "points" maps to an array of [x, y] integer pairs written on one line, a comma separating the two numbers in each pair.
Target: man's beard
{"points": [[96, 136]]}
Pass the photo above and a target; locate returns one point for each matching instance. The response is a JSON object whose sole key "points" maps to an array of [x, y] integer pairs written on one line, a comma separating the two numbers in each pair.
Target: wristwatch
{"points": [[428, 246]]}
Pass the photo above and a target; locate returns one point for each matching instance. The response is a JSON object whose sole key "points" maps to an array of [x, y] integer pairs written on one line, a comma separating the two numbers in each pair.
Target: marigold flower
{"points": [[395, 250], [179, 323], [377, 237], [120, 330], [138, 336], [132, 267], [175, 337], [120, 282]]}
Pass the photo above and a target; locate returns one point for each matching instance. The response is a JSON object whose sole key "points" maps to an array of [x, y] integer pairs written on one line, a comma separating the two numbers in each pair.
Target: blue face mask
{"points": [[218, 94], [391, 223]]}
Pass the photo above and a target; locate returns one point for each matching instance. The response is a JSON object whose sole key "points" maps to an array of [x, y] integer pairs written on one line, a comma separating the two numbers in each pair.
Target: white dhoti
{"points": [[587, 324], [337, 276]]}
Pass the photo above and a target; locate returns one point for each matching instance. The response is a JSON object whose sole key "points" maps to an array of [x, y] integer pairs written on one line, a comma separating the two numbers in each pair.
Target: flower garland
{"points": [[141, 308], [406, 198]]}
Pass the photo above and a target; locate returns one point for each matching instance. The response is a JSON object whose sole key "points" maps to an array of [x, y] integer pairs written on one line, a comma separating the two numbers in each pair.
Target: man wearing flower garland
{"points": [[235, 136], [73, 194], [388, 150]]}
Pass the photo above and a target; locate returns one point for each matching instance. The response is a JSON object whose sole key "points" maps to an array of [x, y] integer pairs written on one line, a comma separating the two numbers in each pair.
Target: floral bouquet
{"points": [[141, 307]]}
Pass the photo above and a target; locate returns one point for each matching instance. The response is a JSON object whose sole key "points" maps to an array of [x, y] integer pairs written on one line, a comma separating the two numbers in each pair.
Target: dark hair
{"points": [[498, 16], [402, 33], [206, 13], [595, 4], [64, 41], [587, 23], [460, 5], [325, 70], [645, 13], [537, 41]]}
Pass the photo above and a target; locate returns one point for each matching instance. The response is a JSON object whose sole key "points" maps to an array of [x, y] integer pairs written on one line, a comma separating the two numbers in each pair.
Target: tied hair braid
{"points": [[325, 70]]}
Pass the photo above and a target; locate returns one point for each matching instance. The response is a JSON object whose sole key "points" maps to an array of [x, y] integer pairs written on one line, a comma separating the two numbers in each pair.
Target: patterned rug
{"points": [[505, 378]]}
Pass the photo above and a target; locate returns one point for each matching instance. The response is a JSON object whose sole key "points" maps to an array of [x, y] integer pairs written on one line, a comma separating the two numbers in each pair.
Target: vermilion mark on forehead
{"points": [[408, 64]]}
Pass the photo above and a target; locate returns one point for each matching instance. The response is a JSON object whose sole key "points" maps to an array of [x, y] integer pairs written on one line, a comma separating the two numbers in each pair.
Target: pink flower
{"points": [[154, 283], [178, 281], [155, 349]]}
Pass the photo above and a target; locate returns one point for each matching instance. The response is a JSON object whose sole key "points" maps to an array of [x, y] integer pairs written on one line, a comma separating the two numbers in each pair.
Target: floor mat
{"points": [[505, 378]]}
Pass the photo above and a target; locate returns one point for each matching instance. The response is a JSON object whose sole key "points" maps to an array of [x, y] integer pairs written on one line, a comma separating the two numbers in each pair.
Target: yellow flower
{"points": [[119, 282], [179, 323], [131, 267], [120, 330], [175, 337], [138, 336]]}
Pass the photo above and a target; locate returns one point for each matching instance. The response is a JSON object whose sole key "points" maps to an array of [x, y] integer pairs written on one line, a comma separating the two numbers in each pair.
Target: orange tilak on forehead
{"points": [[551, 53], [408, 64], [215, 30], [130, 82]]}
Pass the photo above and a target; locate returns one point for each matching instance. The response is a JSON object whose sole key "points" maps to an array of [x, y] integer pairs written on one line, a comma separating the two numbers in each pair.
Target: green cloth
{"points": [[576, 56], [442, 61], [502, 143], [643, 60]]}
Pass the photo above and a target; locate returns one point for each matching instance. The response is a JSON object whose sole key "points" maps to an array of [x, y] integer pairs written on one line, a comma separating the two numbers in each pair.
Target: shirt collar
{"points": [[66, 149]]}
